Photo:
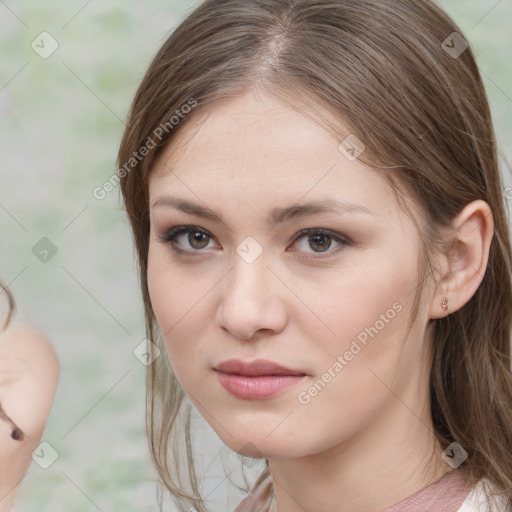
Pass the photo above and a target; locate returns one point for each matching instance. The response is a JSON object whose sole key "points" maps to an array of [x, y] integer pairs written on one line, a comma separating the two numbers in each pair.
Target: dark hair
{"points": [[387, 70]]}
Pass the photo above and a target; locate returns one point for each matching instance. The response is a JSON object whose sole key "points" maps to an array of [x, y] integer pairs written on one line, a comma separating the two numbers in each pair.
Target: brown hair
{"points": [[11, 305], [424, 118]]}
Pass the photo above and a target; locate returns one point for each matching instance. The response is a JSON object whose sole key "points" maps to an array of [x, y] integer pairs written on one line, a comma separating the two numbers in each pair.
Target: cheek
{"points": [[368, 333], [178, 301], [367, 315], [368, 306]]}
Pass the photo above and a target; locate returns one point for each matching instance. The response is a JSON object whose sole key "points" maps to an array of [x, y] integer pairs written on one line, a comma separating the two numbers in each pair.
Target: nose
{"points": [[252, 300]]}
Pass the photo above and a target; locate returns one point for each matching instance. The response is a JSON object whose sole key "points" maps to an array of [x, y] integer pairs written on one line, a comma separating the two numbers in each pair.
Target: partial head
{"points": [[275, 104]]}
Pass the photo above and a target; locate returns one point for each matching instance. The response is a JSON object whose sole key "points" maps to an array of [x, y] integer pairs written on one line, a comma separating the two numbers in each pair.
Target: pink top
{"points": [[447, 494]]}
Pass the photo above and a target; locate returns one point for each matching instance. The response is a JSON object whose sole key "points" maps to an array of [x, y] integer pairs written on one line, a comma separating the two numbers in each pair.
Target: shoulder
{"points": [[477, 500]]}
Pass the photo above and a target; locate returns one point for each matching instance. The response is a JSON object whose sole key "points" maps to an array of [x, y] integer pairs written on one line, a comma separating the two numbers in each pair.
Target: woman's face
{"points": [[332, 305]]}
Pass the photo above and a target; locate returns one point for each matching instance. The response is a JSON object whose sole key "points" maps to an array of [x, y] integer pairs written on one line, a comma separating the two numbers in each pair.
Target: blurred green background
{"points": [[61, 120]]}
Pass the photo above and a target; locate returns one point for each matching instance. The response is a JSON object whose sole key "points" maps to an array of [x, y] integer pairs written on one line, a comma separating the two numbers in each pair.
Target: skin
{"points": [[29, 372], [363, 442]]}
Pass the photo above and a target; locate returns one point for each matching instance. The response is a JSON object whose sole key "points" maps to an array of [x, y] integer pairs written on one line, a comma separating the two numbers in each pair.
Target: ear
{"points": [[464, 265]]}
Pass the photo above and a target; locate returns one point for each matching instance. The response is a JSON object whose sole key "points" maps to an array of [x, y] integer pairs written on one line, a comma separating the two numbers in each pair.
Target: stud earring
{"points": [[444, 304]]}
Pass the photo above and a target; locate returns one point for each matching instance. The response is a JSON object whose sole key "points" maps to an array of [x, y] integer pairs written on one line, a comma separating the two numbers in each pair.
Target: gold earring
{"points": [[444, 304]]}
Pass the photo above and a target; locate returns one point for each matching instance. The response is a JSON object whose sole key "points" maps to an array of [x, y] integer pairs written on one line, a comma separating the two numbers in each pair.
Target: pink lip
{"points": [[258, 367], [257, 379]]}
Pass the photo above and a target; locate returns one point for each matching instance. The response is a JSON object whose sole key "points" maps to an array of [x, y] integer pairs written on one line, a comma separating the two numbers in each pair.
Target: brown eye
{"points": [[323, 242], [199, 238], [196, 239], [320, 240]]}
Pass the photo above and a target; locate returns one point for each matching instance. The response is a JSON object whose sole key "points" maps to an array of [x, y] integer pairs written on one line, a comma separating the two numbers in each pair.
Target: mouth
{"points": [[257, 379], [255, 368]]}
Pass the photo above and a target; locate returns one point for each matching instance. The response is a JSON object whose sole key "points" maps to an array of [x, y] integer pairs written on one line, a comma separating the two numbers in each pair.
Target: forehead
{"points": [[255, 147], [235, 129]]}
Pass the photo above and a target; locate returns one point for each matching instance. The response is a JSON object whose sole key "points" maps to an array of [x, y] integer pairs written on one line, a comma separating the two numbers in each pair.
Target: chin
{"points": [[260, 447]]}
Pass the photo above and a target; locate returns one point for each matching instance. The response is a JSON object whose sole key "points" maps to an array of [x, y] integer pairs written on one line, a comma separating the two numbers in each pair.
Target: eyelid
{"points": [[172, 233], [342, 240], [322, 231]]}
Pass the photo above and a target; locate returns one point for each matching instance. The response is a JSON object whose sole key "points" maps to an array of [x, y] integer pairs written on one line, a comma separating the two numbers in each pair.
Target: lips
{"points": [[258, 367], [256, 380]]}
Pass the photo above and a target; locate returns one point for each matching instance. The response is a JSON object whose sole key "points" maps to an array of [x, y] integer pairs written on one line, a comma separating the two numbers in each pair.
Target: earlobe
{"points": [[466, 260]]}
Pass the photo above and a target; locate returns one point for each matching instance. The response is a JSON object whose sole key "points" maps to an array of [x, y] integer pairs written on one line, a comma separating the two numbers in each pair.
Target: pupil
{"points": [[315, 238], [198, 237]]}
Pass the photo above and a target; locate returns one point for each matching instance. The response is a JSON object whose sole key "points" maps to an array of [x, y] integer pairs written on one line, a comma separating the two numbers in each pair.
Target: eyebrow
{"points": [[276, 215]]}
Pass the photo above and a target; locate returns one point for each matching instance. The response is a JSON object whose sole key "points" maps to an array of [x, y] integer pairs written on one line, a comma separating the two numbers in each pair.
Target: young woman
{"points": [[318, 213], [29, 372]]}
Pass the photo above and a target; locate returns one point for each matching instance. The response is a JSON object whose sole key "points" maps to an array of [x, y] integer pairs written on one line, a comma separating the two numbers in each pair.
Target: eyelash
{"points": [[170, 236]]}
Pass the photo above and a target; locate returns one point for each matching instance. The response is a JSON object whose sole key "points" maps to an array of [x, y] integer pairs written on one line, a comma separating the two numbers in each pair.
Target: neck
{"points": [[382, 464]]}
